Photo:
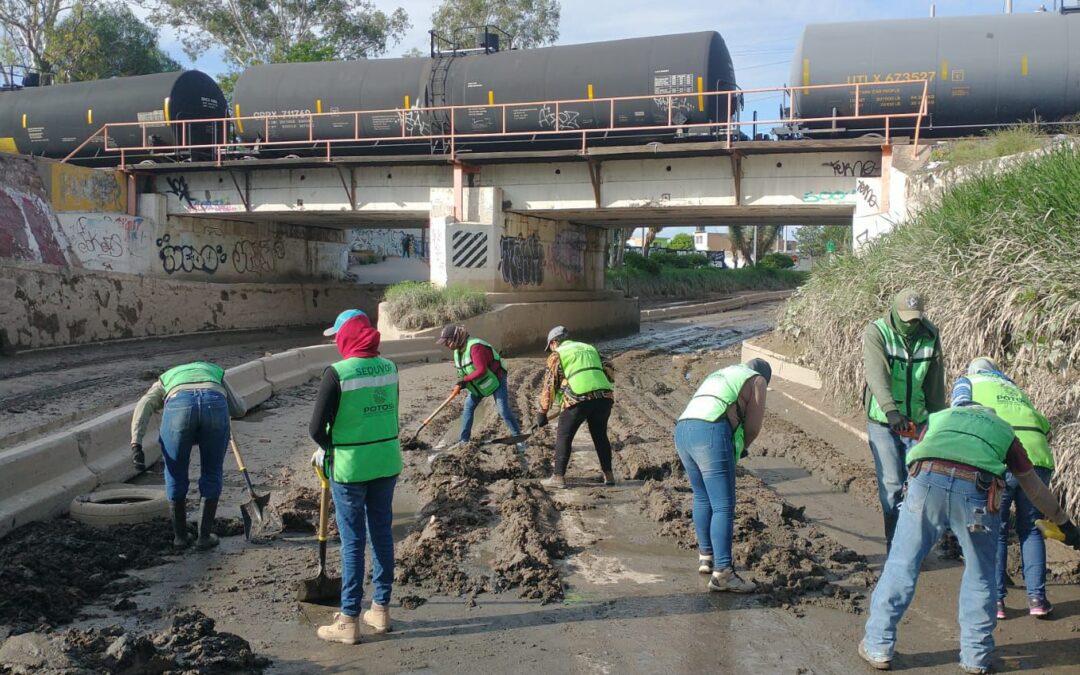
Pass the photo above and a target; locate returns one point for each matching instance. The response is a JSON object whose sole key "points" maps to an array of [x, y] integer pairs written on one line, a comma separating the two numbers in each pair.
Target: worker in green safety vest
{"points": [[196, 403], [355, 424], [987, 385], [481, 373], [581, 382], [956, 477], [721, 420], [905, 383]]}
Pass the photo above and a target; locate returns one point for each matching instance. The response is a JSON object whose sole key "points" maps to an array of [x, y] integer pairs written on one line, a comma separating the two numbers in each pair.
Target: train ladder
{"points": [[440, 119]]}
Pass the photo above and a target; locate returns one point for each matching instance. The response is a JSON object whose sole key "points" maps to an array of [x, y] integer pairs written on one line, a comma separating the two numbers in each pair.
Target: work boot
{"points": [[207, 538], [704, 564], [975, 670], [344, 629], [378, 617], [727, 580], [521, 447], [609, 477], [556, 481], [179, 523], [1039, 607], [876, 662]]}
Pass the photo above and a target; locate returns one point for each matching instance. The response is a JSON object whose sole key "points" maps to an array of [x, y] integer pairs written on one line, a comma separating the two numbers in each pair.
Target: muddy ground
{"points": [[496, 573]]}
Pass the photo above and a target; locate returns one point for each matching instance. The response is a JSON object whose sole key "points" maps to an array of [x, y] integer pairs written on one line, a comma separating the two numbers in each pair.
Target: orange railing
{"points": [[408, 117]]}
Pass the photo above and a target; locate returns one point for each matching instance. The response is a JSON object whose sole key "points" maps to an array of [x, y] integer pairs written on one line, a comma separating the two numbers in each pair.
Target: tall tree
{"points": [[532, 22], [106, 41], [742, 240], [29, 28], [650, 237], [814, 239], [258, 31], [682, 242]]}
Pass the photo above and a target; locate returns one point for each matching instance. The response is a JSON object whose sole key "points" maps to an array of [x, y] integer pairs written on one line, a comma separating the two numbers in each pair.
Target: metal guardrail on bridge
{"points": [[727, 130]]}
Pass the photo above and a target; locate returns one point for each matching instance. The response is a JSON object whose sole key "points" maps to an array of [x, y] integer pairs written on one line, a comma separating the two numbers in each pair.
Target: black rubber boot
{"points": [[207, 538], [179, 522]]}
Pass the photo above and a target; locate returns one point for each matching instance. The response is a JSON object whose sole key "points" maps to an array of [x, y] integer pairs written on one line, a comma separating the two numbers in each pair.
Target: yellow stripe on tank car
{"points": [[1024, 65], [590, 91], [805, 75], [944, 70], [239, 124], [491, 97], [167, 117], [89, 115], [318, 105], [700, 98], [406, 101]]}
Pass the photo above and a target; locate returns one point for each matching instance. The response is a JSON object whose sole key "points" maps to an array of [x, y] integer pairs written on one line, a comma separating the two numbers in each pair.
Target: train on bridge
{"points": [[979, 72]]}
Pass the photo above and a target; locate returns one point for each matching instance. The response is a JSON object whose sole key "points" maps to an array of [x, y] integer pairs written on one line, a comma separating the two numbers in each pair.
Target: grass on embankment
{"points": [[998, 258], [992, 145], [675, 283], [415, 305]]}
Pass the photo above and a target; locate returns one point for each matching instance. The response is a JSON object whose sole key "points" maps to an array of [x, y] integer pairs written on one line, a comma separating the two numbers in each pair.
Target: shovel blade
{"points": [[261, 522], [322, 589]]}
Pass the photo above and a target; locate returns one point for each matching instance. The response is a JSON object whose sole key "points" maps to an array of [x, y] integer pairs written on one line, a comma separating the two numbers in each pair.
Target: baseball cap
{"points": [[556, 333], [908, 304], [450, 334], [341, 319], [761, 367], [982, 363]]}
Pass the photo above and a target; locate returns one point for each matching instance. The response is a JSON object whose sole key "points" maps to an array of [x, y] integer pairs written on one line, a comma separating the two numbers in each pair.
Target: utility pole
{"points": [[754, 256]]}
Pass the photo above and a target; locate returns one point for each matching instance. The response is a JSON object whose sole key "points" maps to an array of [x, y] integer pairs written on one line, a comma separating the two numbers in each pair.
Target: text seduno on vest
{"points": [[907, 371], [191, 373], [971, 435], [364, 441], [715, 395], [484, 386], [583, 368], [1012, 405]]}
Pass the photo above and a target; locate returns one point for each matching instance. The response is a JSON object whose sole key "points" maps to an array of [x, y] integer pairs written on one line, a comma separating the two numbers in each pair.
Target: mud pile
{"points": [[50, 570], [189, 644], [299, 510], [792, 562], [480, 530]]}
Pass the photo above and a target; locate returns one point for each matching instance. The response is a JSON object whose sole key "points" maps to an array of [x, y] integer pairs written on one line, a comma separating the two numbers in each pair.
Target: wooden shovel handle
{"points": [[324, 504], [236, 452], [438, 410]]}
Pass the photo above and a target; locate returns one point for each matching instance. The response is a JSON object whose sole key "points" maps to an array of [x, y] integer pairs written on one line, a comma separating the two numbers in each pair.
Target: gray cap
{"points": [[761, 367], [908, 304], [556, 333], [983, 363]]}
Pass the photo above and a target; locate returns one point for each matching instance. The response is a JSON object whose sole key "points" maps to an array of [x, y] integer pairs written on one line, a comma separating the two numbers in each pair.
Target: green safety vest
{"points": [[971, 435], [583, 368], [1012, 405], [364, 441], [484, 386], [908, 371], [715, 395], [191, 373]]}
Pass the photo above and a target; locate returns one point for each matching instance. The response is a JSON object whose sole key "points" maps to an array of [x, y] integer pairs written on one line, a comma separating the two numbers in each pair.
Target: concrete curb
{"points": [[713, 307], [42, 476], [781, 366]]}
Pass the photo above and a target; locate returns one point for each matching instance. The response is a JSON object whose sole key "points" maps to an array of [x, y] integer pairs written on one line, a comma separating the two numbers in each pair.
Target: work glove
{"points": [[898, 423], [541, 420], [1066, 532], [137, 457], [318, 458]]}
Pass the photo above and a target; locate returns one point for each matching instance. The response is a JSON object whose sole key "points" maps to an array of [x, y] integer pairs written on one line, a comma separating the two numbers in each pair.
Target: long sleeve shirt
{"points": [[555, 382], [879, 375], [483, 359], [749, 408], [154, 400]]}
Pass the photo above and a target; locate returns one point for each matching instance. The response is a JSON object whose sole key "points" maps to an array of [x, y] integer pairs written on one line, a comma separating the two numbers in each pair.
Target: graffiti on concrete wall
{"points": [[178, 187], [28, 229], [566, 258], [863, 168], [826, 196], [521, 260], [866, 191], [106, 236], [257, 256], [389, 242], [469, 249], [76, 188], [187, 258]]}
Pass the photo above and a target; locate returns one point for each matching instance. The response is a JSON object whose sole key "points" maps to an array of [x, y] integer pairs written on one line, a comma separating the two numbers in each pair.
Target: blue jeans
{"points": [[502, 401], [708, 455], [889, 452], [933, 504], [1032, 545], [361, 508], [190, 417]]}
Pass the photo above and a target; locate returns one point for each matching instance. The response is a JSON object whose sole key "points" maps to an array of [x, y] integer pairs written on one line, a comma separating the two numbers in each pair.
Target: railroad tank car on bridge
{"points": [[983, 71], [55, 120], [651, 66]]}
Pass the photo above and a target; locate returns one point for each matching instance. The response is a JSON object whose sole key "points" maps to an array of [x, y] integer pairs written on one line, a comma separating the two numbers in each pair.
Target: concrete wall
{"points": [[51, 305], [493, 251], [387, 242]]}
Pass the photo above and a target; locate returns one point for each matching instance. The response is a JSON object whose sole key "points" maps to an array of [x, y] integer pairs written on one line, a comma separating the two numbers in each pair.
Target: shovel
{"points": [[412, 444], [323, 588], [260, 521]]}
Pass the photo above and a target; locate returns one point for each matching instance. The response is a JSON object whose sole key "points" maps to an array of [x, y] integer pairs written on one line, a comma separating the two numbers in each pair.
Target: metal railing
{"points": [[413, 124]]}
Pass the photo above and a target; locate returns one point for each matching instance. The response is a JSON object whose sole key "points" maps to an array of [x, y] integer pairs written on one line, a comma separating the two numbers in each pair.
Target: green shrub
{"points": [[776, 261], [415, 305], [670, 260], [696, 260], [636, 261], [676, 283]]}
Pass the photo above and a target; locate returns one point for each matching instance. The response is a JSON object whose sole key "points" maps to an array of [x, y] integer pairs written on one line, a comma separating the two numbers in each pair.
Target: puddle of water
{"points": [[604, 571]]}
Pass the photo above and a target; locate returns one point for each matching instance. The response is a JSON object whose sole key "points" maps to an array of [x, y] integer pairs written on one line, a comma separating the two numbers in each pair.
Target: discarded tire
{"points": [[120, 505]]}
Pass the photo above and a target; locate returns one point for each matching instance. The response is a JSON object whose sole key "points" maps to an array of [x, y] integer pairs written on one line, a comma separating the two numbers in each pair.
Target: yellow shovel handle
{"points": [[324, 503]]}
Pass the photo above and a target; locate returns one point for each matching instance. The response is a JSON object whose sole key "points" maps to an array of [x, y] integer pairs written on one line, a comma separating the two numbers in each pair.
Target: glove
{"points": [[1066, 532], [457, 389], [1072, 535], [318, 458], [137, 457], [898, 423], [541, 420]]}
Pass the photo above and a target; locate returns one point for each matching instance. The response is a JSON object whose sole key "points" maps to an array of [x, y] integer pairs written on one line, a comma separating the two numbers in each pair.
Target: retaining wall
{"points": [[51, 305], [41, 477]]}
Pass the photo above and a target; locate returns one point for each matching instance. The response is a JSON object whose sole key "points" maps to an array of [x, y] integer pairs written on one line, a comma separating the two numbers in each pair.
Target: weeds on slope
{"points": [[695, 283], [997, 259], [994, 144], [414, 305]]}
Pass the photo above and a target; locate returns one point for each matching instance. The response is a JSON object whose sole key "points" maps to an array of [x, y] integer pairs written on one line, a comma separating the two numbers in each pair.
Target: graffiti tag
{"points": [[186, 258], [864, 168], [826, 196], [567, 259], [178, 186], [88, 241], [568, 119], [867, 193], [521, 260], [257, 256]]}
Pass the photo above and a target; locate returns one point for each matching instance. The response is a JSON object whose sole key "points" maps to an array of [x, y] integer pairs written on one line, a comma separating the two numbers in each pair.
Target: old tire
{"points": [[120, 505]]}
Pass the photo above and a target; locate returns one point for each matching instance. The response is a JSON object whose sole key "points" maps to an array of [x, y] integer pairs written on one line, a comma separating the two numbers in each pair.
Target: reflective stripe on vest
{"points": [[484, 386], [582, 368], [907, 371], [1013, 405], [364, 441], [191, 373], [715, 395], [971, 435]]}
